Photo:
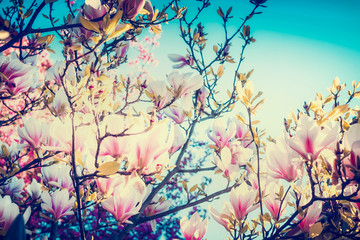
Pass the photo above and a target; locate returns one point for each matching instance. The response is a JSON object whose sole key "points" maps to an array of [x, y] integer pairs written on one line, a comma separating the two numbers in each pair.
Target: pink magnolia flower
{"points": [[13, 187], [5, 218], [193, 228], [151, 150], [203, 93], [116, 124], [239, 154], [61, 132], [183, 60], [132, 8], [159, 93], [224, 163], [352, 144], [34, 133], [34, 189], [186, 102], [58, 203], [60, 103], [182, 84], [242, 200], [9, 211], [121, 49], [16, 77], [350, 190], [126, 200], [282, 161], [242, 130], [221, 134], [58, 175], [312, 215], [94, 9], [311, 139], [179, 139], [116, 147], [107, 185], [54, 73], [176, 113], [273, 202], [157, 205], [225, 216], [351, 136], [354, 160]]}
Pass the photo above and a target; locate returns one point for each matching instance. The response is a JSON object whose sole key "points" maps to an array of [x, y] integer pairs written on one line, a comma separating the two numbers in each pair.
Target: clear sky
{"points": [[301, 47]]}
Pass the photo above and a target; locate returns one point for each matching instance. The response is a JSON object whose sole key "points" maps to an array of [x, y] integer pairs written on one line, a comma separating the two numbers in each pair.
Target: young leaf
{"points": [[193, 188], [120, 31], [108, 168], [93, 26], [220, 12], [315, 230], [220, 70]]}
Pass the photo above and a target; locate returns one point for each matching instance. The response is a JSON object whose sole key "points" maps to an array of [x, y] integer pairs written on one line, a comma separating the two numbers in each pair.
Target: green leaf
{"points": [[93, 26], [108, 168]]}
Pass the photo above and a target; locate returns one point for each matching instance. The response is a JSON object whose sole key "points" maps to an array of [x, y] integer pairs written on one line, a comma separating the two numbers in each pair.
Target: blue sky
{"points": [[301, 47]]}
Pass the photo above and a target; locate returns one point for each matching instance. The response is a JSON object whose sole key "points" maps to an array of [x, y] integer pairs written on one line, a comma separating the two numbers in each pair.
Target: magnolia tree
{"points": [[92, 151]]}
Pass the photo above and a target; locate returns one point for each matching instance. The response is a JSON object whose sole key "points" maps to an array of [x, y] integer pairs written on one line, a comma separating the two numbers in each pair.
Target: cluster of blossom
{"points": [[287, 159], [145, 157], [97, 147]]}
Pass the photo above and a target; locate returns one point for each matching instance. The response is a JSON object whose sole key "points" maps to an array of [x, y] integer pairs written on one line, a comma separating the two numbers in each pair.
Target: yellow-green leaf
{"points": [[113, 22], [193, 188], [50, 50], [108, 168], [144, 12], [240, 118], [357, 94], [42, 39], [196, 37], [215, 48], [120, 31], [5, 150], [93, 26], [158, 177], [335, 113], [315, 230], [244, 229], [155, 29], [220, 70], [28, 13], [185, 185], [155, 15]]}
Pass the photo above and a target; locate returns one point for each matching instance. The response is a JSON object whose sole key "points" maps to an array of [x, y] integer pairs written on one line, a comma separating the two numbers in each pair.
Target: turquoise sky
{"points": [[301, 47]]}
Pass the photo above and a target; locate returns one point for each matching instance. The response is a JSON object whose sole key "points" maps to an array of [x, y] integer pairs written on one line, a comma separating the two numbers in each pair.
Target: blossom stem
{"points": [[54, 230], [258, 173], [76, 181]]}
